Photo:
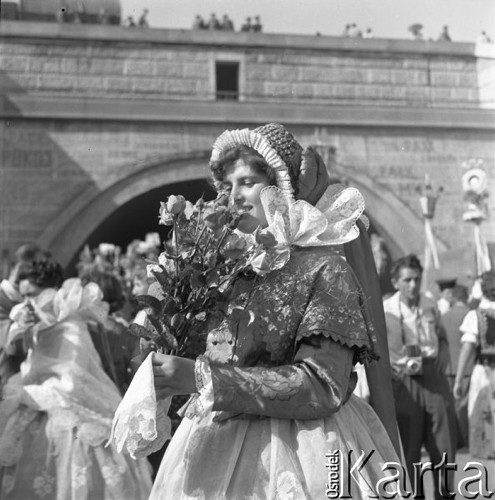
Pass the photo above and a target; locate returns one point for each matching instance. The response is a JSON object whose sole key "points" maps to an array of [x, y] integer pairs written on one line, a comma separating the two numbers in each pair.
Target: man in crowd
{"points": [[227, 23], [143, 21], [247, 26], [452, 321], [446, 300], [419, 355]]}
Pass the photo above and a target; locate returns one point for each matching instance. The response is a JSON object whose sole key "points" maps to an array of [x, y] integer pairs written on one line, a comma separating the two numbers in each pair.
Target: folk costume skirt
{"points": [[267, 458]]}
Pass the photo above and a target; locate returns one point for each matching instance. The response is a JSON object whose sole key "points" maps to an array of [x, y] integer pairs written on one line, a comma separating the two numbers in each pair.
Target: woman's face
{"points": [[244, 184], [29, 290]]}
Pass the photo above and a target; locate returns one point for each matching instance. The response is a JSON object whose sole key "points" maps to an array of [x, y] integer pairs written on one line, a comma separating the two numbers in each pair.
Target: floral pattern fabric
{"points": [[481, 412], [316, 293], [275, 389], [479, 326]]}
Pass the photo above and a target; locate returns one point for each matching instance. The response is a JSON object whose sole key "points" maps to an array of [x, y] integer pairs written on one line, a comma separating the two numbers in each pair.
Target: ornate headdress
{"points": [[332, 219], [274, 143]]}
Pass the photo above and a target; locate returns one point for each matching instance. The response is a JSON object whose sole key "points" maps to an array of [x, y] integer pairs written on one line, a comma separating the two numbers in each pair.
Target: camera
{"points": [[413, 364]]}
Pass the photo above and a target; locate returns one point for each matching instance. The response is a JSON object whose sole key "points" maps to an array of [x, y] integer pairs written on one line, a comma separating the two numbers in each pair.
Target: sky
{"points": [[387, 18]]}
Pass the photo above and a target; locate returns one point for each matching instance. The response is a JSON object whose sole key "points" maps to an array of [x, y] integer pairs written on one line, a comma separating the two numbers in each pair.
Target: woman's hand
{"points": [[24, 314], [173, 375]]}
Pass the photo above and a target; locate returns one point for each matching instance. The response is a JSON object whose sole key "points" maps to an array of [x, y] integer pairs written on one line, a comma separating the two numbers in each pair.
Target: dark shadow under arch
{"points": [[139, 216], [128, 208]]}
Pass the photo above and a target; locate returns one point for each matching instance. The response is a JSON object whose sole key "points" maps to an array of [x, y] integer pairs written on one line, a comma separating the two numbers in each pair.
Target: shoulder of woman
{"points": [[327, 264], [323, 255]]}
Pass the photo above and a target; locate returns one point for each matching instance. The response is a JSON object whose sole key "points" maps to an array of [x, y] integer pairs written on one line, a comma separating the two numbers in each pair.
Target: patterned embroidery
{"points": [[8, 480], [220, 345], [79, 479], [316, 293], [273, 383], [486, 322], [113, 474], [289, 487], [13, 430], [43, 484]]}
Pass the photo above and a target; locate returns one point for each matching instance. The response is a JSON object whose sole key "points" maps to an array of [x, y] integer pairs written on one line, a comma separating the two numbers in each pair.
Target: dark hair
{"points": [[250, 156], [23, 257], [488, 284], [460, 293], [110, 286], [45, 273], [409, 261], [29, 252]]}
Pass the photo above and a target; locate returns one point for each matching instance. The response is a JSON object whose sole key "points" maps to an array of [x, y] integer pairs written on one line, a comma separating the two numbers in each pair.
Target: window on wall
{"points": [[227, 78]]}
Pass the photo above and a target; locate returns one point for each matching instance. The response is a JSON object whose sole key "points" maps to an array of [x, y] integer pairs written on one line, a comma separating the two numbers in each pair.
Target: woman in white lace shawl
{"points": [[55, 415], [272, 413]]}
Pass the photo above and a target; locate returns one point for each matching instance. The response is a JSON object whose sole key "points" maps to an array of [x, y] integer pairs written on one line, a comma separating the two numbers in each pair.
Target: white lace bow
{"points": [[73, 298], [298, 223]]}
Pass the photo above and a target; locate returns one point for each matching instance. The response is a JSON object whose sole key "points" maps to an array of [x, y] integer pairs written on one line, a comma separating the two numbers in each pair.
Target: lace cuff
{"points": [[141, 425], [204, 384]]}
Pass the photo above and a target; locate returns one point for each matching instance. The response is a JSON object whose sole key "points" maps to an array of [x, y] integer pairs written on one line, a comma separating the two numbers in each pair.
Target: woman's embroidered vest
{"points": [[486, 322]]}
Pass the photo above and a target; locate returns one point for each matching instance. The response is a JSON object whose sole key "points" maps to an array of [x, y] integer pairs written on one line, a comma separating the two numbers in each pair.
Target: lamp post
{"points": [[475, 188], [428, 201]]}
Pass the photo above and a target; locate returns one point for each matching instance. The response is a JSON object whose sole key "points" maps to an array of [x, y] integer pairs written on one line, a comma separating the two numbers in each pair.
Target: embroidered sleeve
{"points": [[337, 310], [202, 375], [315, 386]]}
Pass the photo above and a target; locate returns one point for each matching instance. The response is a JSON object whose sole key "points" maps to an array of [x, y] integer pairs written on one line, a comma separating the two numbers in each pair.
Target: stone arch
{"points": [[69, 231], [401, 228]]}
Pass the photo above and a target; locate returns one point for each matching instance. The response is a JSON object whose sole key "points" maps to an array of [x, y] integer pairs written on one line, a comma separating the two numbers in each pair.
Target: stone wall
{"points": [[369, 72], [92, 116]]}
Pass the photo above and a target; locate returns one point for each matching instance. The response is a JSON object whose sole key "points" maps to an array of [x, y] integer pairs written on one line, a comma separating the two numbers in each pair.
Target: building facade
{"points": [[98, 123]]}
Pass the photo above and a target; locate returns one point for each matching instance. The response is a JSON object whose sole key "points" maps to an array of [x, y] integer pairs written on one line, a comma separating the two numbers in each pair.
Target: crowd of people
{"points": [[263, 404], [226, 23], [65, 362], [351, 30], [253, 24]]}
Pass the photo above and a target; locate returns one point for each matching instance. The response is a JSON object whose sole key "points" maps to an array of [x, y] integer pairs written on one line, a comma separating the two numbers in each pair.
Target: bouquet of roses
{"points": [[192, 280]]}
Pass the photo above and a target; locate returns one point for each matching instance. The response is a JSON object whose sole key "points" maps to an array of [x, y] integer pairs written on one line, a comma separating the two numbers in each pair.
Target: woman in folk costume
{"points": [[272, 395], [56, 414], [478, 346]]}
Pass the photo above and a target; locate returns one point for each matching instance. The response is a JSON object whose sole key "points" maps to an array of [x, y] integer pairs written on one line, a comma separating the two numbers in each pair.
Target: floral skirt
{"points": [[481, 412], [268, 458], [60, 466]]}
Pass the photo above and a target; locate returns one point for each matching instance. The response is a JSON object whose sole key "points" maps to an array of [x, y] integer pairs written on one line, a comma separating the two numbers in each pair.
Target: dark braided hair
{"points": [[45, 273]]}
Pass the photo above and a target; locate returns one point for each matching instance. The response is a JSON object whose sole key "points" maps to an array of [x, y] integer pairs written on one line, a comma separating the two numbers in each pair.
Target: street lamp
{"points": [[428, 202], [475, 188]]}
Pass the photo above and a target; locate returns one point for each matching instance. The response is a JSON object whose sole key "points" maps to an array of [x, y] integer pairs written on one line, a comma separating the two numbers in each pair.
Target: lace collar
{"points": [[297, 223]]}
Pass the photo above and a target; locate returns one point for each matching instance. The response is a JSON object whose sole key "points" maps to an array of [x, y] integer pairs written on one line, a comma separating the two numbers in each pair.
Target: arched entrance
{"points": [[125, 206], [128, 208]]}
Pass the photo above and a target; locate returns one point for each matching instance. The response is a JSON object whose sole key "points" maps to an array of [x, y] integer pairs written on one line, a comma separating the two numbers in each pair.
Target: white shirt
{"points": [[469, 326], [411, 326], [443, 305]]}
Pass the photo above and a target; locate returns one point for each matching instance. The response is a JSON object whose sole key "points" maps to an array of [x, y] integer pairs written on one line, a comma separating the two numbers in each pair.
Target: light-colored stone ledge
{"points": [[76, 108]]}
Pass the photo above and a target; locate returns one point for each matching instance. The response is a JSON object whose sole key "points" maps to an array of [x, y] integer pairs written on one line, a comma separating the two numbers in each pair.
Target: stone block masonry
{"points": [[97, 117]]}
